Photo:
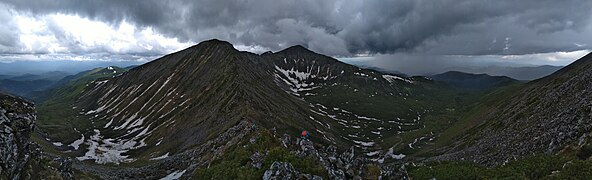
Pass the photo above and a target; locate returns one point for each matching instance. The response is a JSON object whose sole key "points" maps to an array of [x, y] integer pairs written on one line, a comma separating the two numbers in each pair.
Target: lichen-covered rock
{"points": [[285, 140], [280, 170], [257, 159], [306, 148], [20, 157], [17, 118], [285, 171]]}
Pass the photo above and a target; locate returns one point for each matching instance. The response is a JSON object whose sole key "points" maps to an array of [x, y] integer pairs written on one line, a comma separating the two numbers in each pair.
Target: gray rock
{"points": [[257, 160], [285, 171], [17, 118], [285, 140], [280, 170]]}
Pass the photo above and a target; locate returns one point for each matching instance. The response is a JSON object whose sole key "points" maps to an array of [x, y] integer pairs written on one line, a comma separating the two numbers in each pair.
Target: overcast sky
{"points": [[518, 32]]}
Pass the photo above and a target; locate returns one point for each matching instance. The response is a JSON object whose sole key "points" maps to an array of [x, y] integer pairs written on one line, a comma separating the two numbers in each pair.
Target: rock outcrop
{"points": [[17, 119], [347, 165], [285, 170]]}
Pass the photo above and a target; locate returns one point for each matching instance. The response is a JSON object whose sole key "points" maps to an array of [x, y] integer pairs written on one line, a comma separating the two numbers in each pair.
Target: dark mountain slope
{"points": [[542, 116], [183, 99], [473, 81]]}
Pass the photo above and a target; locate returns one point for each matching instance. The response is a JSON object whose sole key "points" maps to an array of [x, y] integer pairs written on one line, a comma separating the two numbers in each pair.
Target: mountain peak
{"points": [[215, 43], [297, 49]]}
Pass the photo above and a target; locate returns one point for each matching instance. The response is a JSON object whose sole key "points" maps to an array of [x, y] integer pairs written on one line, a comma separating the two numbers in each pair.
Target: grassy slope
{"points": [[469, 119], [572, 162], [55, 114]]}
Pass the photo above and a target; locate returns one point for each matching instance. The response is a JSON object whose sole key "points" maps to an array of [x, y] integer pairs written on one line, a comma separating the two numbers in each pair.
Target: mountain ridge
{"points": [[473, 81], [551, 113]]}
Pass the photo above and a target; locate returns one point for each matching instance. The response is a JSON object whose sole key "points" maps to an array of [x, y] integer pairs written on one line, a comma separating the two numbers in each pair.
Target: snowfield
{"points": [[105, 151]]}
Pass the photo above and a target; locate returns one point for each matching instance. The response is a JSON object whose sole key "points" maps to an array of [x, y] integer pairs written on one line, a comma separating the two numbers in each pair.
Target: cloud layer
{"points": [[333, 27]]}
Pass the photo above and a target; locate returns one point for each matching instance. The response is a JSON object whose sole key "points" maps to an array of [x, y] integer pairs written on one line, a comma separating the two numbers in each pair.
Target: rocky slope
{"points": [[17, 119], [541, 117], [20, 157]]}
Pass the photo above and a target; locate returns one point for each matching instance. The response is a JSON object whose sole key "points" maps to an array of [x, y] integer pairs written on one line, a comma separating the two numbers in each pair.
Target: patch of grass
{"points": [[585, 152], [372, 172]]}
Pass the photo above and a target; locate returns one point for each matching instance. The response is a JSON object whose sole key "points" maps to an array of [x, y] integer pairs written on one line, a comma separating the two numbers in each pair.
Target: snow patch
{"points": [[160, 157], [126, 122], [159, 141], [174, 175], [98, 110], [361, 74], [391, 79], [109, 150], [366, 144], [109, 123], [372, 153], [77, 143]]}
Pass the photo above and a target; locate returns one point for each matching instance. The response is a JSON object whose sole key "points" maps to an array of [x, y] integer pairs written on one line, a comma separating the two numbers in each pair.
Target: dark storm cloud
{"points": [[335, 27]]}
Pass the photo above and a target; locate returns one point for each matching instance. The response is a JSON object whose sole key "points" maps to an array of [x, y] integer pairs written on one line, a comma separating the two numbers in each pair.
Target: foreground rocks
{"points": [[20, 158], [285, 170], [17, 118], [347, 165]]}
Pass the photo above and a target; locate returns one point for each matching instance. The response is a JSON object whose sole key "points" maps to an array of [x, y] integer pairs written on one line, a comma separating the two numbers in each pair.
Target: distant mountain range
{"points": [[24, 85], [473, 81], [522, 73], [519, 73]]}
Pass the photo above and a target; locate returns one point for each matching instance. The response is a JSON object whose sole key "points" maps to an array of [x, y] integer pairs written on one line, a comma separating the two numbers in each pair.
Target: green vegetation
{"points": [[481, 106], [372, 172], [236, 162], [534, 167], [41, 168], [438, 105], [585, 152], [56, 116]]}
